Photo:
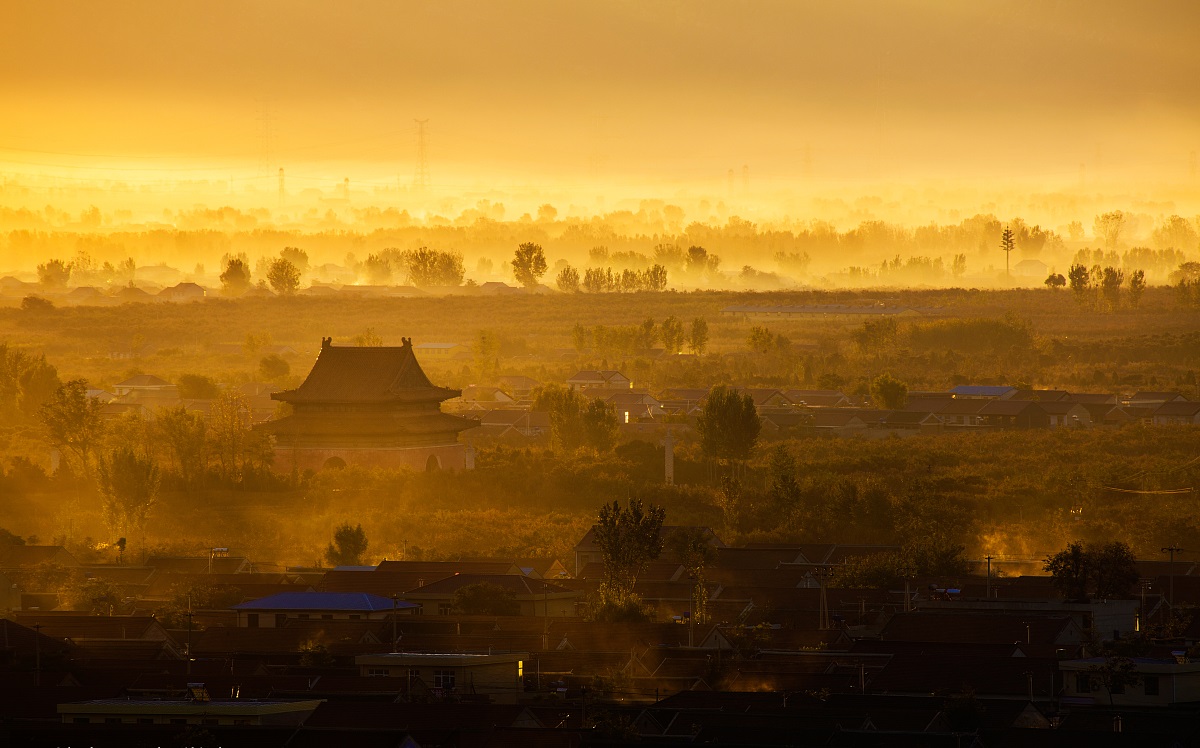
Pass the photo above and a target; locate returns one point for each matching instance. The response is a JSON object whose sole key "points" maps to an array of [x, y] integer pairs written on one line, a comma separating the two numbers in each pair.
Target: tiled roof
{"points": [[365, 374], [324, 601], [516, 584]]}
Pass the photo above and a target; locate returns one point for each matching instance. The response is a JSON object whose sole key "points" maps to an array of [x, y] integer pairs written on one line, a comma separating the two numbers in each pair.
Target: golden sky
{"points": [[575, 92]]}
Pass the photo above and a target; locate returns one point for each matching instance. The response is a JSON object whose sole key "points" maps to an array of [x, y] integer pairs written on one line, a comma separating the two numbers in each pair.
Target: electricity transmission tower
{"points": [[421, 178]]}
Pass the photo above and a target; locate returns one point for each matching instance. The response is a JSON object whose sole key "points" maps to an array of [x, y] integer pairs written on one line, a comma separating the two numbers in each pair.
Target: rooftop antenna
{"points": [[421, 178]]}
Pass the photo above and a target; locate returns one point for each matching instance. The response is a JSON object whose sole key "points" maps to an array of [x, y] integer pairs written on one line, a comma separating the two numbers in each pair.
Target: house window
{"points": [[252, 620], [417, 611], [1083, 682], [444, 609], [1150, 685], [112, 720], [81, 720], [145, 720], [303, 616], [443, 679], [280, 620], [178, 721], [414, 673], [327, 617], [355, 617], [378, 672]]}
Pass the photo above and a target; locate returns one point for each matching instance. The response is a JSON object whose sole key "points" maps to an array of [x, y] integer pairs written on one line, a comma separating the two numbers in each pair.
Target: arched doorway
{"points": [[432, 464], [334, 463]]}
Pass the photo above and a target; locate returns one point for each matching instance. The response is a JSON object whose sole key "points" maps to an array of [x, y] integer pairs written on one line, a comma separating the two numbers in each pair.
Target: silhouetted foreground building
{"points": [[370, 406]]}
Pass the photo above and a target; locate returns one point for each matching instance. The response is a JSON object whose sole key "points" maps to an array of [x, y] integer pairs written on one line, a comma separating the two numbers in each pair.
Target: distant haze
{"points": [[577, 98]]}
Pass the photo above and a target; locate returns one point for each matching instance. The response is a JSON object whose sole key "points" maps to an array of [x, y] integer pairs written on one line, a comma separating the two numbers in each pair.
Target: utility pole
{"points": [[1171, 549], [823, 576], [669, 459], [189, 641], [421, 178], [37, 657], [989, 578], [395, 597]]}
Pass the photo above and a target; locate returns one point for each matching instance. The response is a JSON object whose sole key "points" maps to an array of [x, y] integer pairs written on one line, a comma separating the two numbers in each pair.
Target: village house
{"points": [[278, 609], [1177, 413], [182, 292], [534, 597], [197, 710], [982, 392], [592, 379], [498, 676], [1064, 413], [1014, 414], [521, 388], [144, 387], [1159, 683], [818, 398]]}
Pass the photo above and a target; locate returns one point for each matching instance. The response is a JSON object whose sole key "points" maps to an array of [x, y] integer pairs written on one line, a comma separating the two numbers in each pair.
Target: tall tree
{"points": [[695, 553], [1109, 227], [889, 392], [298, 257], [761, 340], [235, 278], [698, 339], [672, 334], [229, 433], [568, 280], [1080, 279], [1008, 243], [1107, 571], [284, 277], [1137, 287], [54, 274], [629, 538], [184, 434], [598, 422], [73, 423], [729, 424], [129, 484], [529, 264], [1110, 287], [348, 547]]}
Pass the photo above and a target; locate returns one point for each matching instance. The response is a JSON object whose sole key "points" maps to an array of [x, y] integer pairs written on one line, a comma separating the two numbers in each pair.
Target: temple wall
{"points": [[448, 456]]}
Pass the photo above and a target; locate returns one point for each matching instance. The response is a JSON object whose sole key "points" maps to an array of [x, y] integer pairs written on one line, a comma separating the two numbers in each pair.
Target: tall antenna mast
{"points": [[421, 178]]}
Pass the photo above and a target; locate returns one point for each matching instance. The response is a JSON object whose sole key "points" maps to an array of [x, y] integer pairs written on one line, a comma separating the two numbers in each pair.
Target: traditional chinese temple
{"points": [[370, 406]]}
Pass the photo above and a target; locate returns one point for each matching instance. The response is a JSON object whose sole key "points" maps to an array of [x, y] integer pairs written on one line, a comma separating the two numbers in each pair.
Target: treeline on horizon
{"points": [[769, 255]]}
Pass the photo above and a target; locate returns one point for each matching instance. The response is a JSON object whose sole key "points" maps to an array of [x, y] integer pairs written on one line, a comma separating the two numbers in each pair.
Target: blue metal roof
{"points": [[339, 601]]}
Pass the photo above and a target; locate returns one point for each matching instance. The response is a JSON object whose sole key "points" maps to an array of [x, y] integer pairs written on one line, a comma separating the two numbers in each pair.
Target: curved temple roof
{"points": [[366, 374]]}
